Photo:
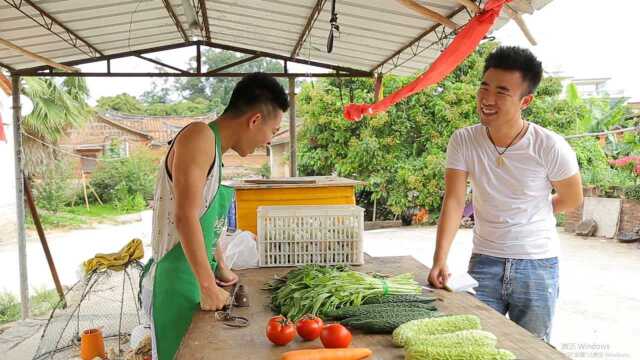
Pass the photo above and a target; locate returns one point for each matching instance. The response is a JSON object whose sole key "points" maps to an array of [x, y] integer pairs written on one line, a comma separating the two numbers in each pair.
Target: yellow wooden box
{"points": [[316, 190]]}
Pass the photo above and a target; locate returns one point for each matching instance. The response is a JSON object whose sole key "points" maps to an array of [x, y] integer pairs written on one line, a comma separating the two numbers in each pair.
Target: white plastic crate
{"points": [[310, 234]]}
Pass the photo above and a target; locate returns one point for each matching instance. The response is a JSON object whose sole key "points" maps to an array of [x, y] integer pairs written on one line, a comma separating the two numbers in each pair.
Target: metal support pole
{"points": [[293, 166], [22, 236], [198, 60]]}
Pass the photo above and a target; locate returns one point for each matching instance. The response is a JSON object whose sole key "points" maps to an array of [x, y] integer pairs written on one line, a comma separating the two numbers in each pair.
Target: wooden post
{"points": [[43, 240], [93, 191], [84, 188], [428, 13], [293, 163], [377, 89], [36, 57], [375, 203]]}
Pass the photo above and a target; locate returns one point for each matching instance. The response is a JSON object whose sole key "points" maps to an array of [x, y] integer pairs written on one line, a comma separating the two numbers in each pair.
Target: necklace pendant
{"points": [[499, 161]]}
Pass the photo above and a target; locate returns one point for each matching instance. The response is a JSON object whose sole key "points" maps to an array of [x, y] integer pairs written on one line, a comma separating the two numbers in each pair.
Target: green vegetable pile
{"points": [[318, 290], [456, 337], [383, 314]]}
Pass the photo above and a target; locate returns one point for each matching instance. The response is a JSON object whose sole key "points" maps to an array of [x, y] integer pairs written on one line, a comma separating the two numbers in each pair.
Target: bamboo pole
{"points": [[475, 9], [428, 13], [34, 56], [84, 188], [470, 5], [94, 193], [521, 24], [43, 240]]}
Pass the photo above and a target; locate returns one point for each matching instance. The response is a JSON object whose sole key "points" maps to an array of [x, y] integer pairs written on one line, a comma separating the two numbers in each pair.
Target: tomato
{"points": [[280, 331], [277, 318], [335, 336], [309, 327]]}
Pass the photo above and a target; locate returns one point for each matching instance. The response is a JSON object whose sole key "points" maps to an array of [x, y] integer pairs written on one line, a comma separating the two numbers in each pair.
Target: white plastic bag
{"points": [[240, 250]]}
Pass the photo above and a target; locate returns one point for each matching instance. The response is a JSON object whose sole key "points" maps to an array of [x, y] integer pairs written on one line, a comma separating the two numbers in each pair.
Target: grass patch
{"points": [[9, 308], [42, 302], [97, 211], [75, 217]]}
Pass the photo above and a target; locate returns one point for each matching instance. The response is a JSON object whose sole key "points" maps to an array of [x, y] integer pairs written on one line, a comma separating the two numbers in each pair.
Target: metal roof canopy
{"points": [[375, 35]]}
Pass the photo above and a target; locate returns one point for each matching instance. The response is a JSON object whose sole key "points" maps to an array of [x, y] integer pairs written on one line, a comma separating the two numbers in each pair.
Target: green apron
{"points": [[176, 293]]}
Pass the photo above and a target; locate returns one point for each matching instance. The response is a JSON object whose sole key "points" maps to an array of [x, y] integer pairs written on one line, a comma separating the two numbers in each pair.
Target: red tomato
{"points": [[335, 336], [309, 327], [280, 332], [277, 318]]}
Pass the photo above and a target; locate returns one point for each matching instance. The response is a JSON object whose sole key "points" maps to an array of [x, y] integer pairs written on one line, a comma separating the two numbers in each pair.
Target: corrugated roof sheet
{"points": [[370, 30]]}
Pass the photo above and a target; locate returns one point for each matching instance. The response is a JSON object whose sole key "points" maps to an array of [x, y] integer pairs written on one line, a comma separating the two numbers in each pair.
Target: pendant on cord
{"points": [[500, 161]]}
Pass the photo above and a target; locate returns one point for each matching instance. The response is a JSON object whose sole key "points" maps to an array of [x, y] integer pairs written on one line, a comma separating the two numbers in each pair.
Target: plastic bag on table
{"points": [[240, 250]]}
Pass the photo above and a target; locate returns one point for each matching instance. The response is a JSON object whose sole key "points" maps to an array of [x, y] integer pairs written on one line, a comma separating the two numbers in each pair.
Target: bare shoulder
{"points": [[195, 143], [196, 134]]}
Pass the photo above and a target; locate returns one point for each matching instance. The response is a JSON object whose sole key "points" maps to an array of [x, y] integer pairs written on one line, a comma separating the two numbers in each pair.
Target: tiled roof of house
{"points": [[158, 130]]}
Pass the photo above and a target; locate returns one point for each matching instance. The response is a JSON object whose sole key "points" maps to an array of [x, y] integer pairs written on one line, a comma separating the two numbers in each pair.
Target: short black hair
{"points": [[257, 90], [518, 59]]}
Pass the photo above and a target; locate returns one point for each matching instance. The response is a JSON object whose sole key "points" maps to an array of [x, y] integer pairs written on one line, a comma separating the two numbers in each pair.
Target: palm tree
{"points": [[57, 106]]}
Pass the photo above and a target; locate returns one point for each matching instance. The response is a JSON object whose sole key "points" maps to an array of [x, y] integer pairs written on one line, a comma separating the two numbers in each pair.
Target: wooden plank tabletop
{"points": [[297, 182], [209, 339]]}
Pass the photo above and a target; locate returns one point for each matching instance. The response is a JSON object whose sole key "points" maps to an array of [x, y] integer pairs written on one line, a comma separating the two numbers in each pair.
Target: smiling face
{"points": [[502, 95]]}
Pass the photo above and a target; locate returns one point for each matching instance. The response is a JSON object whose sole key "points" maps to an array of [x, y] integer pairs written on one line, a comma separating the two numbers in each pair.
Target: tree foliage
{"points": [[401, 153]]}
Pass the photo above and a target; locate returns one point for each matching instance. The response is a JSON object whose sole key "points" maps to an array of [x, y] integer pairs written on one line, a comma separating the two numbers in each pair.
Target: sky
{"points": [[579, 38]]}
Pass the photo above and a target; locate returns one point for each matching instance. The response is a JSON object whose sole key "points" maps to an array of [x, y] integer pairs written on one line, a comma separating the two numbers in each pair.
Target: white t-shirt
{"points": [[512, 203]]}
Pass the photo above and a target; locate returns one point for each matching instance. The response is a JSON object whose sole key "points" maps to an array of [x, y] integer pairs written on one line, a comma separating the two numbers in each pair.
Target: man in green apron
{"points": [[191, 207]]}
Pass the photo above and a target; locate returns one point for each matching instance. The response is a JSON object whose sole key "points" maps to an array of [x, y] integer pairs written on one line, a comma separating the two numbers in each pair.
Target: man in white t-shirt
{"points": [[513, 166]]}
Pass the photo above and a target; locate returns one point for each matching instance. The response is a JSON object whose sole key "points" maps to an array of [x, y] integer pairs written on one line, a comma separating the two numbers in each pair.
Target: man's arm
{"points": [[568, 194], [192, 158], [450, 216]]}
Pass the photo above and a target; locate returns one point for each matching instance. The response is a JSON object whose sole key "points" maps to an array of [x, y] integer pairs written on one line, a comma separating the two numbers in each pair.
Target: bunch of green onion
{"points": [[315, 289]]}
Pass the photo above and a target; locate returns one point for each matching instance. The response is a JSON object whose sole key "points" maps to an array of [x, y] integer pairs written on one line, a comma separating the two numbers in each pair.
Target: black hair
{"points": [[257, 90], [517, 59]]}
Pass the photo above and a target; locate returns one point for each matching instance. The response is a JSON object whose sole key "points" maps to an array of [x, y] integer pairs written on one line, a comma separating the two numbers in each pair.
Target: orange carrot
{"points": [[327, 354]]}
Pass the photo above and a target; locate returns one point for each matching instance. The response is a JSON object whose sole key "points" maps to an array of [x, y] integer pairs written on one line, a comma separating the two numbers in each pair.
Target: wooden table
{"points": [[209, 339]]}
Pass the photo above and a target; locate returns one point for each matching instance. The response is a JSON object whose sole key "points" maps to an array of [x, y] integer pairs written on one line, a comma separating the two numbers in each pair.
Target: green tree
{"points": [[161, 91], [184, 107], [123, 103], [220, 88], [58, 104], [400, 154]]}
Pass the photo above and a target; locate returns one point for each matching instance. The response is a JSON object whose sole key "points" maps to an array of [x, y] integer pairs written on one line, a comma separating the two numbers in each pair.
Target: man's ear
{"points": [[255, 119], [526, 101]]}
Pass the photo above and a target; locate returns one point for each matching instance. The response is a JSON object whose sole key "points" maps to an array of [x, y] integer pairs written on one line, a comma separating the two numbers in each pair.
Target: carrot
{"points": [[327, 354]]}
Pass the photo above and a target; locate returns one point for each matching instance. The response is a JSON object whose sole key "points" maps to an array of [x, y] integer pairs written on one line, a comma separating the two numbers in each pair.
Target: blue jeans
{"points": [[526, 290]]}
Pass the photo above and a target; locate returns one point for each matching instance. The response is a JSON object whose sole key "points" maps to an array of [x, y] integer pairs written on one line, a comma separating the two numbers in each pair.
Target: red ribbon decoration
{"points": [[2, 135], [461, 47]]}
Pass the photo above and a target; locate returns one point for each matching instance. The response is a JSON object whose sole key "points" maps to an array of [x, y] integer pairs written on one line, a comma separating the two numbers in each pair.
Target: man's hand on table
{"points": [[438, 275], [213, 297]]}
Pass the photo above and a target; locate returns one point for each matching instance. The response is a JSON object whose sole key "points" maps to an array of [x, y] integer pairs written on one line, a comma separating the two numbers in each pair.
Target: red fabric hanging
{"points": [[3, 137], [461, 47]]}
